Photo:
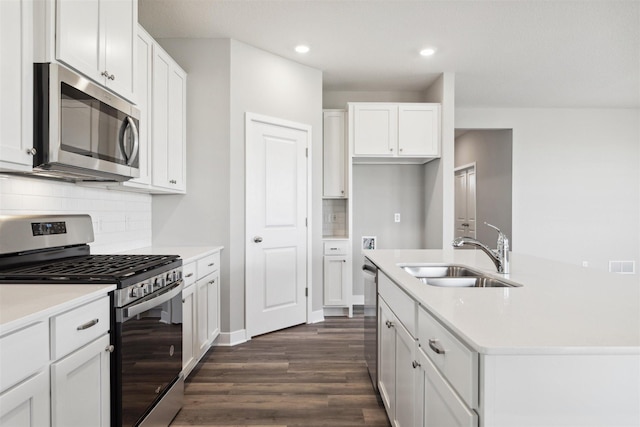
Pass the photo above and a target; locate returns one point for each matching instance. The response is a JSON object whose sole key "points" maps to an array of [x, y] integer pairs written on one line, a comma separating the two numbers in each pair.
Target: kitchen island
{"points": [[561, 349]]}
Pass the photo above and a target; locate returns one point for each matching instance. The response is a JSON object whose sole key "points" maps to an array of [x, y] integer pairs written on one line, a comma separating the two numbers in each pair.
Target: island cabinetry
{"points": [[200, 308], [16, 75], [447, 383], [98, 38], [334, 154], [397, 353], [400, 131]]}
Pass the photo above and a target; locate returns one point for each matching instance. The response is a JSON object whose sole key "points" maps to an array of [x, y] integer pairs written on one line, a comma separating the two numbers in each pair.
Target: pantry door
{"points": [[276, 245], [465, 201]]}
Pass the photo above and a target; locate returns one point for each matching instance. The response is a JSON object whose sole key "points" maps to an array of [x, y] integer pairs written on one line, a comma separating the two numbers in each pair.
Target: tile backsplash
{"points": [[334, 218], [121, 220]]}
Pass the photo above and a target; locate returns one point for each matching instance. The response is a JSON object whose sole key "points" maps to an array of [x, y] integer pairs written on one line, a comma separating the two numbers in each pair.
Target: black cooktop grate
{"points": [[90, 268]]}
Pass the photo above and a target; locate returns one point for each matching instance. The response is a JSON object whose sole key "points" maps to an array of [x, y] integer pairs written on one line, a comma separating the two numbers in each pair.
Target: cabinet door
{"points": [[168, 138], [439, 404], [16, 84], [120, 22], [202, 300], [335, 279], [418, 130], [27, 404], [188, 329], [375, 131], [80, 384], [405, 377], [334, 155], [386, 357], [213, 306], [80, 37]]}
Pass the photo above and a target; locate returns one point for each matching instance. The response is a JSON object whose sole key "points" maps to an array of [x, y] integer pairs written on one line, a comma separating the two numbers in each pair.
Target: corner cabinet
{"points": [[98, 38], [168, 124], [16, 68], [404, 132]]}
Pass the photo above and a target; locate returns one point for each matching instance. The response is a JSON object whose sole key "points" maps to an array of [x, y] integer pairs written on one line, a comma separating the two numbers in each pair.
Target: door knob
{"points": [[257, 239]]}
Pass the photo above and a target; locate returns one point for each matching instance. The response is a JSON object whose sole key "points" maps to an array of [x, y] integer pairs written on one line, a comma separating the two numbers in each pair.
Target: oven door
{"points": [[148, 337]]}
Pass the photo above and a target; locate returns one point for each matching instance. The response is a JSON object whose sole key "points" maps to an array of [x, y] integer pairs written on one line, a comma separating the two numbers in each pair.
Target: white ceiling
{"points": [[552, 53]]}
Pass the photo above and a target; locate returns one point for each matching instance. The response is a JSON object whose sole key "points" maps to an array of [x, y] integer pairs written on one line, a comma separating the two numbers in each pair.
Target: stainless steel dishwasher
{"points": [[370, 277]]}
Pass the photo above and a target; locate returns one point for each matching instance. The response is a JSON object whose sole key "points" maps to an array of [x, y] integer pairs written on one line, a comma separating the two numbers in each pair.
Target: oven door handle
{"points": [[153, 302]]}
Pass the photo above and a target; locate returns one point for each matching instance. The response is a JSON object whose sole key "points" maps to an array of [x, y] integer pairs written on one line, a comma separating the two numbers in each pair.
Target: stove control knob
{"points": [[157, 283], [134, 292]]}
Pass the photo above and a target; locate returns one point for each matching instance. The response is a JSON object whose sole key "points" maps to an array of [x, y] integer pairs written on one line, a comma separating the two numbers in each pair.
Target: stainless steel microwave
{"points": [[82, 132]]}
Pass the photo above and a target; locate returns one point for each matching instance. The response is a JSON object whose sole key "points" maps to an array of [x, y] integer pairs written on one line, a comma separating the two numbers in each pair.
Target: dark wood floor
{"points": [[308, 375]]}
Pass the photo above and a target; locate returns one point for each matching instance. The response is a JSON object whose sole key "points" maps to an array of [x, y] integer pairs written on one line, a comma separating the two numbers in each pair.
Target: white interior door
{"points": [[276, 216], [465, 201]]}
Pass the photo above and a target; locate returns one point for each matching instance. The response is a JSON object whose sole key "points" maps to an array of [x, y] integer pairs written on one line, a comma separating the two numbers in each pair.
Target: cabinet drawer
{"points": [[336, 248], [402, 305], [189, 274], [208, 264], [77, 327], [23, 353], [457, 363]]}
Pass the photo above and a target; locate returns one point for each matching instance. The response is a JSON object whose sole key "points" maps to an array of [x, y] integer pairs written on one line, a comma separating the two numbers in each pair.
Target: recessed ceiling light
{"points": [[302, 48], [428, 51]]}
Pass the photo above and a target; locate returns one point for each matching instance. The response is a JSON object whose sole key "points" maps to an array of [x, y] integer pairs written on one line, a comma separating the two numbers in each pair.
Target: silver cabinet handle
{"points": [[104, 74], [109, 348], [415, 364], [87, 325], [112, 77], [188, 275], [32, 151], [211, 265], [436, 346], [389, 324], [257, 239]]}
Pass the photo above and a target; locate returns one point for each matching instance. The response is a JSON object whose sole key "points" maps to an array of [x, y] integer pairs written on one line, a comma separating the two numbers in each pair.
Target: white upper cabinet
{"points": [[98, 38], [405, 132], [334, 155], [169, 124], [16, 85]]}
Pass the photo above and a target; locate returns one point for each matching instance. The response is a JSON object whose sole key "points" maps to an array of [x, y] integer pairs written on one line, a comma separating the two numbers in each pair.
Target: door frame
{"points": [[259, 118]]}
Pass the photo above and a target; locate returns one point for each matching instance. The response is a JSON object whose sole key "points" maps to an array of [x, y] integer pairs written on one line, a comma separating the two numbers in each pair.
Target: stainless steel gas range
{"points": [[146, 317]]}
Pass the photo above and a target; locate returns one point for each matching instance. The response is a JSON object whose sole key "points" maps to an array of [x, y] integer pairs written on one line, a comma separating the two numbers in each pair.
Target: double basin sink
{"points": [[454, 276]]}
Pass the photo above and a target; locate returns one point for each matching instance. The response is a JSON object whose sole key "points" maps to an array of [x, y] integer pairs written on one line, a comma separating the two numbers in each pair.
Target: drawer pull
{"points": [[188, 275], [415, 364], [211, 265], [389, 324], [211, 282], [435, 346], [87, 325], [109, 348]]}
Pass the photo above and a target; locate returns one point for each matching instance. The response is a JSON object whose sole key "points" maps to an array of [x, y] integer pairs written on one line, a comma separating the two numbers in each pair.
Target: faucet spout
{"points": [[499, 256]]}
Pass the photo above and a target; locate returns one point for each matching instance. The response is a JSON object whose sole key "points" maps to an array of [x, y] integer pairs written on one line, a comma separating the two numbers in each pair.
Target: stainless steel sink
{"points": [[454, 276]]}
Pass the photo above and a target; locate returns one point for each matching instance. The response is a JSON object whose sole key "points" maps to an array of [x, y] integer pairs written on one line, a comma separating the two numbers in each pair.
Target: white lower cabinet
{"points": [[80, 385], [27, 404], [397, 368], [200, 309]]}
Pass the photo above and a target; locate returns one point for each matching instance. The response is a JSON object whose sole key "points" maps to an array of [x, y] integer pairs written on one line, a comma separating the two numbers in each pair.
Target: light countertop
{"points": [[22, 304], [187, 253], [560, 308]]}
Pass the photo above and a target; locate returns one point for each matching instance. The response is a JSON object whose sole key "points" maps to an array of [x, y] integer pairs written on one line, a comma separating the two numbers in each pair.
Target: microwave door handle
{"points": [[121, 140], [136, 141]]}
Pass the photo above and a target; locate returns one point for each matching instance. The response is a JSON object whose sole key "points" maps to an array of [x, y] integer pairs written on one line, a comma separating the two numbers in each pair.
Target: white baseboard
{"points": [[357, 299], [316, 316], [229, 339]]}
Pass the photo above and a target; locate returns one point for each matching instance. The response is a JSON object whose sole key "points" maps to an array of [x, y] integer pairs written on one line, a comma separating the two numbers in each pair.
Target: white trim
{"points": [[228, 339], [337, 311], [467, 166], [259, 118], [316, 317]]}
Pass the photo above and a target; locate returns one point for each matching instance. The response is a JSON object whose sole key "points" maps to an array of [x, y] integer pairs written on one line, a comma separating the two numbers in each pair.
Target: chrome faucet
{"points": [[499, 256]]}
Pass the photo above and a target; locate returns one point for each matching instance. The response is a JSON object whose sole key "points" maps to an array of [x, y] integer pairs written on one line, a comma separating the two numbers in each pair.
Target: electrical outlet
{"points": [[396, 217]]}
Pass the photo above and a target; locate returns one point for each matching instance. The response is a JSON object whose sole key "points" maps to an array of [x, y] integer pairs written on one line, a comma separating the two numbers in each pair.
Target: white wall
{"points": [[576, 180], [121, 220], [339, 99], [227, 79]]}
